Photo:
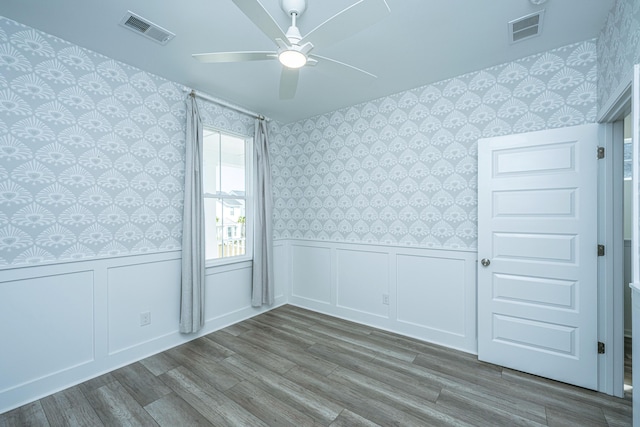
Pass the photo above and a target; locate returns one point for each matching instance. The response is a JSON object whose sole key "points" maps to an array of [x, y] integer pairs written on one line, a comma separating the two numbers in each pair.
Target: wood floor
{"points": [[292, 367]]}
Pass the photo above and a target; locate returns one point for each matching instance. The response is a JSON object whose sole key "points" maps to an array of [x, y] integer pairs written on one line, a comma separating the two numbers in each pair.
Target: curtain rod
{"points": [[228, 105]]}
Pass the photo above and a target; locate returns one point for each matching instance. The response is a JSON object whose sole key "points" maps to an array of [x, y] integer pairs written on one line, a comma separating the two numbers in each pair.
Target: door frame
{"points": [[610, 214]]}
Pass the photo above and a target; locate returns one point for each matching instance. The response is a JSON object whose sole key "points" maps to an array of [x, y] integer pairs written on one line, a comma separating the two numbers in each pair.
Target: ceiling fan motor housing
{"points": [[293, 6]]}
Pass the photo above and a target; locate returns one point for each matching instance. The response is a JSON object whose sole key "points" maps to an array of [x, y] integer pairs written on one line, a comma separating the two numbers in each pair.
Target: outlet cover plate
{"points": [[145, 318]]}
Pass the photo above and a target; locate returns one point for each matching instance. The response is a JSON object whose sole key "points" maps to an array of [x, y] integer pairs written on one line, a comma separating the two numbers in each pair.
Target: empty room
{"points": [[319, 212]]}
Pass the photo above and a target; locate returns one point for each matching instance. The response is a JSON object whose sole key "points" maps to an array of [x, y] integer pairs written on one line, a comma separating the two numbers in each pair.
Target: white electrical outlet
{"points": [[385, 299], [145, 318]]}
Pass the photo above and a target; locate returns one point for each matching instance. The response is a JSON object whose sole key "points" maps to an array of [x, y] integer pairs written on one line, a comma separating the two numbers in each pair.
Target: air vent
{"points": [[146, 28], [526, 27]]}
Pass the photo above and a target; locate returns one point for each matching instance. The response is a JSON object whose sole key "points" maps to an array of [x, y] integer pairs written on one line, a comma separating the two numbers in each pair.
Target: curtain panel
{"points": [[193, 245], [262, 280]]}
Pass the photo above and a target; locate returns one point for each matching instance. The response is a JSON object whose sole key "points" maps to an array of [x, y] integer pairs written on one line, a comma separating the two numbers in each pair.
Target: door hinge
{"points": [[601, 152], [600, 250], [600, 347]]}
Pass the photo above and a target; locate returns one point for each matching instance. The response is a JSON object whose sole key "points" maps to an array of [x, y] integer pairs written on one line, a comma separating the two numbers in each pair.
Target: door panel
{"points": [[537, 298], [534, 203], [537, 291], [557, 248], [529, 161], [535, 335]]}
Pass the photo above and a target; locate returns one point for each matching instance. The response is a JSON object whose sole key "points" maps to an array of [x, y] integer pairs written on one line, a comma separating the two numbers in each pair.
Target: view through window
{"points": [[225, 203]]}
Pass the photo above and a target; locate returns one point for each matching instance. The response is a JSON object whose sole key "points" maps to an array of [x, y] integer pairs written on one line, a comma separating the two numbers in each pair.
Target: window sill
{"points": [[232, 263]]}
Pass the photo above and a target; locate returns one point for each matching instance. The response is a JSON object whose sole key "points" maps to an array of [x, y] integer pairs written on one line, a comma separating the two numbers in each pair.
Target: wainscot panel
{"points": [[432, 293], [281, 252], [311, 274], [228, 290], [152, 288], [47, 326], [363, 281], [423, 293], [68, 322]]}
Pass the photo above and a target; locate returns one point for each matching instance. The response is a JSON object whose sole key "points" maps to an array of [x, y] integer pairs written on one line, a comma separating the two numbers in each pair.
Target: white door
{"points": [[537, 229]]}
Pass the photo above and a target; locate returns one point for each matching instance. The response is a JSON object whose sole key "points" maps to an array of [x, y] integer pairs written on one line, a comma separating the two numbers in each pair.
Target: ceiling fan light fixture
{"points": [[292, 58]]}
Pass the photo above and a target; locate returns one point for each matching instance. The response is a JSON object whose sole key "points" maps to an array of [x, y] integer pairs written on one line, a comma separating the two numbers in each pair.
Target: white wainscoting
{"points": [[61, 324], [431, 293], [311, 275], [152, 287], [45, 328]]}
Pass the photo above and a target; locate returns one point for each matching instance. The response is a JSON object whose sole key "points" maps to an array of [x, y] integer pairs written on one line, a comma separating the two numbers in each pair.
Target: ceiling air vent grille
{"points": [[526, 27], [146, 28]]}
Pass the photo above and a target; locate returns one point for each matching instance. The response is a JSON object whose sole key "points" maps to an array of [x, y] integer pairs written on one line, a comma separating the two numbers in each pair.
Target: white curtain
{"points": [[193, 255], [262, 291]]}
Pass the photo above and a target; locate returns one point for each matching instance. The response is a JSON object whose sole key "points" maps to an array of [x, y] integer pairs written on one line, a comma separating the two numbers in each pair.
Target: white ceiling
{"points": [[419, 42]]}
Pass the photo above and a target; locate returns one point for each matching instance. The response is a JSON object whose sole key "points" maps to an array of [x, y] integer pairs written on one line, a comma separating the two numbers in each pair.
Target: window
{"points": [[226, 173]]}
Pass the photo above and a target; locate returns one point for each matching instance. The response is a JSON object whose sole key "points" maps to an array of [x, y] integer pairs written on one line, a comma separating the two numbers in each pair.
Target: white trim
{"points": [[605, 272], [247, 198], [129, 256], [611, 266], [617, 105], [301, 242], [635, 234], [220, 262], [617, 261], [635, 345], [236, 264], [611, 297], [635, 221]]}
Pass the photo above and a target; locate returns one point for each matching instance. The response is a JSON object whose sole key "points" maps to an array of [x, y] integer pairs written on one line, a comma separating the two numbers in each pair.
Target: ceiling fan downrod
{"points": [[293, 33], [294, 56], [293, 8]]}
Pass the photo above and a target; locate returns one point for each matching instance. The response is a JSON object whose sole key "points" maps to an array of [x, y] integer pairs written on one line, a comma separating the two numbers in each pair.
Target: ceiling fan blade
{"points": [[256, 12], [328, 63], [234, 56], [351, 20], [288, 82]]}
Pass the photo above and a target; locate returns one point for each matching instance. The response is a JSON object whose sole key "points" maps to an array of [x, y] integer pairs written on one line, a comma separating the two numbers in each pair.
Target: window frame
{"points": [[248, 199]]}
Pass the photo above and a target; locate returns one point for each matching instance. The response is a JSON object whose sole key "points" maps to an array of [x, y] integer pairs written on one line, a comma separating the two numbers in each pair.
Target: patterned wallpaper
{"points": [[618, 47], [403, 169], [91, 152]]}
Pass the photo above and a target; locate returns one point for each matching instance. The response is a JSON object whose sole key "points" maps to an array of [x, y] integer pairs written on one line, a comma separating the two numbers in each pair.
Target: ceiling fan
{"points": [[294, 50]]}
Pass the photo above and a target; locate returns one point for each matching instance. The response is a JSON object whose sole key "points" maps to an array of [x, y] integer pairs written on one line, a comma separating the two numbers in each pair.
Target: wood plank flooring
{"points": [[293, 367]]}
